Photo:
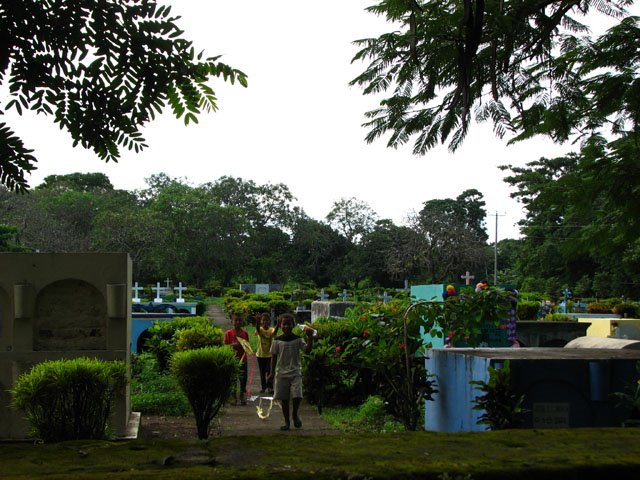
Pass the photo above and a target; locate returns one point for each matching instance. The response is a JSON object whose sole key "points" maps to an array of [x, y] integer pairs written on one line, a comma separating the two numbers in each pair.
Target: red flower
{"points": [[365, 333], [502, 326], [338, 348], [403, 345]]}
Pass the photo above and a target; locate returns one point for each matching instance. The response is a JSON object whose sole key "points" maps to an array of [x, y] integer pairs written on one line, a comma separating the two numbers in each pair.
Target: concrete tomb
{"points": [[55, 306], [562, 387]]}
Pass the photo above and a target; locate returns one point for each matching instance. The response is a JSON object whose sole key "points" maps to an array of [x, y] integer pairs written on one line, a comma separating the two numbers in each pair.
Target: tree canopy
{"points": [[102, 70], [525, 65]]}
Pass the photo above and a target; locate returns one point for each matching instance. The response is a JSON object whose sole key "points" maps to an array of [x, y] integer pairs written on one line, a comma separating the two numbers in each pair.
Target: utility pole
{"points": [[495, 254]]}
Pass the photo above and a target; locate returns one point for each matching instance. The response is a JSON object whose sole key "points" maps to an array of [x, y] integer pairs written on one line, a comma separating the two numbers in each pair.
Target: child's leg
{"points": [[285, 414], [296, 393], [296, 406], [263, 364], [243, 384]]}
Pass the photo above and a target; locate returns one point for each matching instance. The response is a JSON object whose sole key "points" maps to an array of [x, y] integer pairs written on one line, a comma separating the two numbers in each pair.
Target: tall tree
{"points": [[102, 69], [582, 216], [351, 217]]}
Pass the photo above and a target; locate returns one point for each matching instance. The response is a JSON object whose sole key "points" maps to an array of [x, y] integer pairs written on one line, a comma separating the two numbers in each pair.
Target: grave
{"points": [[611, 326], [539, 333], [260, 287], [563, 387], [55, 306], [490, 335], [329, 309]]}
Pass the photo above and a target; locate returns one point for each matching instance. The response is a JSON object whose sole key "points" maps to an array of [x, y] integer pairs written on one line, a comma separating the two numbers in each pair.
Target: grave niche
{"points": [[70, 315]]}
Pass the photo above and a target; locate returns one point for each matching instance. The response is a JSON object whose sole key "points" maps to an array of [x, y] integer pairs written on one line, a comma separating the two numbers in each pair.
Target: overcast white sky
{"points": [[298, 123]]}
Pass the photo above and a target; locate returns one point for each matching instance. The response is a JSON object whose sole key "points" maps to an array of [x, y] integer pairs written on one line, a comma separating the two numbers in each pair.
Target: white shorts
{"points": [[286, 387]]}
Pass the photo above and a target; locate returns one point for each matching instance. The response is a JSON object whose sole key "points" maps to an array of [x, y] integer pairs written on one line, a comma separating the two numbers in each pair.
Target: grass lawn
{"points": [[523, 454]]}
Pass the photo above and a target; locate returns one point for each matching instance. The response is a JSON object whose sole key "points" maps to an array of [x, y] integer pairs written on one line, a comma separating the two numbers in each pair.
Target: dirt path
{"points": [[236, 419]]}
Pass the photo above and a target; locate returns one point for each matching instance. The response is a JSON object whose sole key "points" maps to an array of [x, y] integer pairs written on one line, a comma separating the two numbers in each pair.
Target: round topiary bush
{"points": [[206, 376], [69, 399]]}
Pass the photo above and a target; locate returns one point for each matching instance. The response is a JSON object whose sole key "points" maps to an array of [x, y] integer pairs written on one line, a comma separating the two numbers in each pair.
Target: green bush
{"points": [[153, 392], [164, 336], [199, 336], [501, 406], [627, 309], [559, 317], [527, 310], [69, 399], [600, 307], [207, 377]]}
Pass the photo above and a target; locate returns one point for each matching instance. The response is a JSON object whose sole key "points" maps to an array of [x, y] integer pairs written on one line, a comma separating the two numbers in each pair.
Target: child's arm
{"points": [[309, 342], [272, 370]]}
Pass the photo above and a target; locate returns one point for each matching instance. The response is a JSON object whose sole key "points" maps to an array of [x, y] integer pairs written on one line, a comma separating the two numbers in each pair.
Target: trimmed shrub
{"points": [[207, 377], [164, 336], [559, 317], [69, 399], [599, 307], [199, 336], [527, 310], [626, 309]]}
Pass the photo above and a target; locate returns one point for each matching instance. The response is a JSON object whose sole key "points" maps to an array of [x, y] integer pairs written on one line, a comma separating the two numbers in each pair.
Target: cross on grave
{"points": [[345, 295], [158, 299], [168, 282], [406, 287], [323, 296], [385, 297], [136, 289], [180, 289], [467, 278]]}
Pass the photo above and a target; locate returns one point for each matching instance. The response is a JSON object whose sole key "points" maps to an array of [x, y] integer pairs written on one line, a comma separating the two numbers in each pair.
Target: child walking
{"points": [[265, 334], [231, 338], [285, 368]]}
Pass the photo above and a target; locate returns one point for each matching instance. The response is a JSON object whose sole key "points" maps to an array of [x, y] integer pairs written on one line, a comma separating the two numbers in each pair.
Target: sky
{"points": [[298, 122]]}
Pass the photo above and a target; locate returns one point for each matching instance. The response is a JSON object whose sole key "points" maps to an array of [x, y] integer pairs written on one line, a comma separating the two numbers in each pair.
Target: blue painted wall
{"points": [[581, 384]]}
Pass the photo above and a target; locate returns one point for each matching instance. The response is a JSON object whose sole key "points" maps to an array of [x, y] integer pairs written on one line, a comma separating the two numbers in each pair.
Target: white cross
{"points": [[323, 296], [136, 289], [345, 295], [168, 282], [180, 289], [384, 297], [158, 299], [467, 278]]}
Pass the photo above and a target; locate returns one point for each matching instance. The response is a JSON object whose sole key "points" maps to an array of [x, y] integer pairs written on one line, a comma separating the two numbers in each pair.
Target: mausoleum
{"points": [[55, 306]]}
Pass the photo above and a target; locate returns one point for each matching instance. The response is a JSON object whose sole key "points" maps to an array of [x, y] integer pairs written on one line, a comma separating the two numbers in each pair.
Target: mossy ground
{"points": [[522, 454]]}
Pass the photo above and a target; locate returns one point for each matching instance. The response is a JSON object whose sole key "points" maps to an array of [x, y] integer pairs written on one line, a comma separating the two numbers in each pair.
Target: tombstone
{"points": [[136, 289], [158, 298], [467, 277], [345, 295], [329, 309], [385, 297], [262, 288], [55, 306], [322, 296], [180, 289]]}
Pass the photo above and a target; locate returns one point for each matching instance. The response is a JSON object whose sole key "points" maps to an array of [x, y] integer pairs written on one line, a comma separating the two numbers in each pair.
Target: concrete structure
{"points": [[260, 287], [562, 387], [612, 326], [540, 333], [329, 309], [55, 306], [598, 342]]}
